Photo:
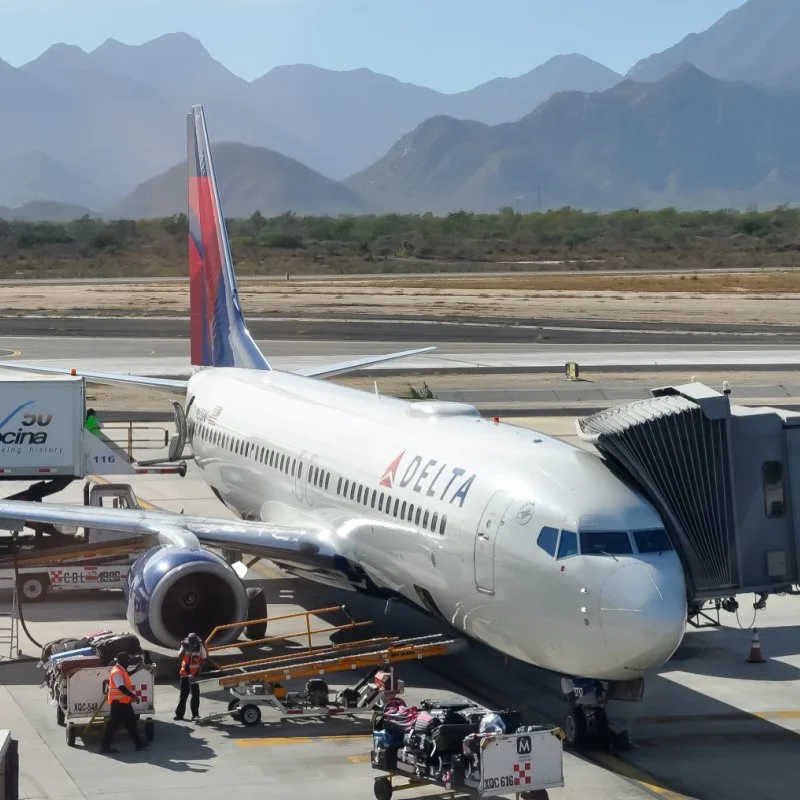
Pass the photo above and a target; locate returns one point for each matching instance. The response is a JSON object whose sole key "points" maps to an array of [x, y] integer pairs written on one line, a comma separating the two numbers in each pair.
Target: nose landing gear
{"points": [[586, 723]]}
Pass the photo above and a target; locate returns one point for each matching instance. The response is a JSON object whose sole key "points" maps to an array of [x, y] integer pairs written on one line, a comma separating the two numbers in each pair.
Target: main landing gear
{"points": [[586, 723]]}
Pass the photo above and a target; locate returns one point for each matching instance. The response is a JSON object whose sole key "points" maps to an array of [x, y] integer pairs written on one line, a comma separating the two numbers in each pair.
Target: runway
{"points": [[170, 357], [421, 331]]}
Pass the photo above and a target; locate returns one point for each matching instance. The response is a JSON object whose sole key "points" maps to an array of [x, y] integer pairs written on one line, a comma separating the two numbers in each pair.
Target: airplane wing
{"points": [[331, 370], [178, 386], [288, 546]]}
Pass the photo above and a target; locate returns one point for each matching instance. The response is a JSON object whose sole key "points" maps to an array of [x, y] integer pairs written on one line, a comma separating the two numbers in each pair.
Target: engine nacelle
{"points": [[172, 591]]}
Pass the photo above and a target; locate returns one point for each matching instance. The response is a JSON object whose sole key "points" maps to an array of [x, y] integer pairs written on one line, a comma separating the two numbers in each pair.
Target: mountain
{"points": [[34, 175], [509, 99], [44, 212], [250, 179], [689, 140], [355, 117], [756, 42]]}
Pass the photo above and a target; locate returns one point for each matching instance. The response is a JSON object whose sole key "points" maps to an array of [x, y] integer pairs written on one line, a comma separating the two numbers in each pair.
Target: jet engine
{"points": [[173, 591]]}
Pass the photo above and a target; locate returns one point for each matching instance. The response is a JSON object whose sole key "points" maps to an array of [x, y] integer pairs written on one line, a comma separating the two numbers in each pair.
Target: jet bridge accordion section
{"points": [[725, 479]]}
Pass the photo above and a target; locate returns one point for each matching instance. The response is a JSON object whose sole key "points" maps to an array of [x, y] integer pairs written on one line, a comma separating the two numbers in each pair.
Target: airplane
{"points": [[518, 540]]}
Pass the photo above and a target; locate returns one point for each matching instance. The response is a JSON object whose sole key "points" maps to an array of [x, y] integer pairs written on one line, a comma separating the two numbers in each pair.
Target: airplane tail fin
{"points": [[219, 335]]}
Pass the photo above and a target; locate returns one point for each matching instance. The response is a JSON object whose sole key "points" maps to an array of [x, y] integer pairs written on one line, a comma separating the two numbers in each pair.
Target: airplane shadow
{"points": [[676, 717]]}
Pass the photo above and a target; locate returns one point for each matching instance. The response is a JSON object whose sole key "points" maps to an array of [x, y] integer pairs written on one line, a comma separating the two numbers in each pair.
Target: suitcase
{"points": [[62, 646], [69, 665], [121, 643], [82, 651]]}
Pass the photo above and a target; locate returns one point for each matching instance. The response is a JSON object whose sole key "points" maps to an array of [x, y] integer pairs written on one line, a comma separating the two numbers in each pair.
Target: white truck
{"points": [[43, 438], [42, 432]]}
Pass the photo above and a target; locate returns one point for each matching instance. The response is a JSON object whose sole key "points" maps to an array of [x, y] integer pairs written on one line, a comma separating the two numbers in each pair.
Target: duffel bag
{"points": [[68, 665]]}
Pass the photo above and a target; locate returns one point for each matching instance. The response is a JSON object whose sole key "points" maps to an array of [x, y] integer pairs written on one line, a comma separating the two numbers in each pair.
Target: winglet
{"points": [[219, 336]]}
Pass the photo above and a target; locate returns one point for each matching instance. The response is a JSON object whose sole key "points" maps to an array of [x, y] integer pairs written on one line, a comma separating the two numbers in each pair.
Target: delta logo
{"points": [[440, 481]]}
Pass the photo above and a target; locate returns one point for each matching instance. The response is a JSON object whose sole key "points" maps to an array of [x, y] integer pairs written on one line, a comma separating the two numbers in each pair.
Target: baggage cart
{"points": [[81, 698], [525, 765]]}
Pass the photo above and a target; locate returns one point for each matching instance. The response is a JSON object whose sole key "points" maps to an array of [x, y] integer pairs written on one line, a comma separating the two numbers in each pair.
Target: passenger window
{"points": [[403, 510], [434, 520], [358, 496], [327, 480], [547, 540], [374, 495], [772, 477], [396, 505], [339, 486], [294, 466], [352, 491], [346, 485], [443, 524], [568, 544], [419, 514], [380, 502], [425, 519]]}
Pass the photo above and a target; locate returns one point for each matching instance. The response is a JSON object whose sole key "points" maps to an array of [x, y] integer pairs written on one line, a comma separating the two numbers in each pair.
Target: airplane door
{"points": [[485, 538]]}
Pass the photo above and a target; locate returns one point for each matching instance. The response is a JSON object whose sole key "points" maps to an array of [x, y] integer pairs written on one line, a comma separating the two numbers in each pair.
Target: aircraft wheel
{"points": [[575, 729], [256, 609]]}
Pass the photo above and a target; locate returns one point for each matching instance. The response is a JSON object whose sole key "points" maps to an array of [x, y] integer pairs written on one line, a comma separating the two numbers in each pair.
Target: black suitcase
{"points": [[123, 643]]}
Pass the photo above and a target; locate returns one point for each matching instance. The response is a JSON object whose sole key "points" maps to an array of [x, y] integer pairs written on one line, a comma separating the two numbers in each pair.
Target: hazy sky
{"points": [[449, 45]]}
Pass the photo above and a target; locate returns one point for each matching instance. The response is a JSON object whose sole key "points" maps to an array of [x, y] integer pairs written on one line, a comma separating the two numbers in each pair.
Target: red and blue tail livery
{"points": [[219, 336]]}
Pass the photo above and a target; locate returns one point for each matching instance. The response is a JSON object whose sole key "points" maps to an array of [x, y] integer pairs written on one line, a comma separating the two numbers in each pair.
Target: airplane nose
{"points": [[643, 613]]}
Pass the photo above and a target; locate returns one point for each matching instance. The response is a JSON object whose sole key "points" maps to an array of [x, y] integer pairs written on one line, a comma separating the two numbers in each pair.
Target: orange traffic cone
{"points": [[755, 656]]}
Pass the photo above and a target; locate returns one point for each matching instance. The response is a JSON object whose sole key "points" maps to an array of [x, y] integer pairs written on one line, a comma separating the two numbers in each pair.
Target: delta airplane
{"points": [[516, 539]]}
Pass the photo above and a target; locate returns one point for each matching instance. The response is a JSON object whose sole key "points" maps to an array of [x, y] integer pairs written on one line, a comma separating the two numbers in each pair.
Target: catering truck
{"points": [[42, 433], [45, 446]]}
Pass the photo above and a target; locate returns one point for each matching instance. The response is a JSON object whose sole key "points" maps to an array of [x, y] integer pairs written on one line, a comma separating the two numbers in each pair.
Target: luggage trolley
{"points": [[84, 693], [426, 748], [77, 672]]}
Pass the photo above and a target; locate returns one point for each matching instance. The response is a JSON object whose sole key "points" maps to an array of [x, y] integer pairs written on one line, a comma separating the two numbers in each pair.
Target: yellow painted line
{"points": [[364, 758], [643, 779], [279, 741]]}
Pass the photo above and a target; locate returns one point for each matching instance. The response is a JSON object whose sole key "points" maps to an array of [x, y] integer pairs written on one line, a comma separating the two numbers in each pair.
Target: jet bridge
{"points": [[725, 479]]}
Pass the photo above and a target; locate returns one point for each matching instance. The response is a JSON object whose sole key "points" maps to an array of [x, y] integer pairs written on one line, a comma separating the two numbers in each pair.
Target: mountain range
{"points": [[711, 121]]}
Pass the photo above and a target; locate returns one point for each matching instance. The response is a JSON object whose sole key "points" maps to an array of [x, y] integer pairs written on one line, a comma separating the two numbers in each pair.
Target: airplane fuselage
{"points": [[447, 510]]}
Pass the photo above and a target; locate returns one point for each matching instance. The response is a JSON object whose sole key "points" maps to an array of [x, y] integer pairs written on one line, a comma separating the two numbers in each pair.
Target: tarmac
{"points": [[711, 727], [170, 357]]}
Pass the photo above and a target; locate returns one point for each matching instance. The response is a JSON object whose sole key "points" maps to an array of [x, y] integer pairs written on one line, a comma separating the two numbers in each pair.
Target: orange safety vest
{"points": [[190, 664], [114, 694]]}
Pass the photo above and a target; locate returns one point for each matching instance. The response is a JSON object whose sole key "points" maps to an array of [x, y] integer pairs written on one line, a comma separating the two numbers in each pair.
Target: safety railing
{"points": [[307, 633], [130, 436]]}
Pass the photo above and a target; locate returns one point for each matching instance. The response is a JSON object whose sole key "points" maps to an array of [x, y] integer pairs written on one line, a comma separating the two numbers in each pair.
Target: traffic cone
{"points": [[755, 656]]}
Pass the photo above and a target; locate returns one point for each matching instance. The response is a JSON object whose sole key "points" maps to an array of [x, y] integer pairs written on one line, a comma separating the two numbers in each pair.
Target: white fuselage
{"points": [[446, 509]]}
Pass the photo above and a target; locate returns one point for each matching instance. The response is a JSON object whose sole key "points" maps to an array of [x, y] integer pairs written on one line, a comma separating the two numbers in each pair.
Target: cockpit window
{"points": [[655, 541], [568, 544], [547, 540], [612, 543]]}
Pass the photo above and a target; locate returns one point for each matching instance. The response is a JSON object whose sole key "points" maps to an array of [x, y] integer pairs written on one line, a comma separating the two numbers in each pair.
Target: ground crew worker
{"points": [[120, 703], [192, 655], [93, 424]]}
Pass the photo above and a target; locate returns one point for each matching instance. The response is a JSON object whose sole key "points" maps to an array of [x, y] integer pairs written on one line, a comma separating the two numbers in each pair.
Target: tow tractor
{"points": [[258, 684]]}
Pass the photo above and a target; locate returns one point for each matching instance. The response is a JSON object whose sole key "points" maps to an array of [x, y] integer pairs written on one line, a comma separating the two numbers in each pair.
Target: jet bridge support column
{"points": [[725, 479]]}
